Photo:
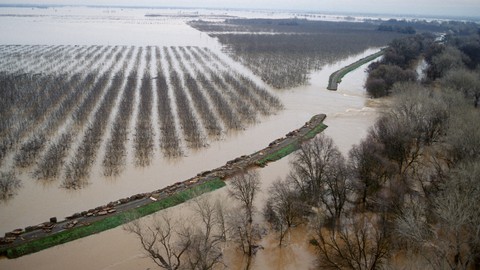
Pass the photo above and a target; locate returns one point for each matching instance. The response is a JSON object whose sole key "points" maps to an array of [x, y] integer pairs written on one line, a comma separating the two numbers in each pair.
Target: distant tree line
{"points": [[397, 65], [451, 59], [422, 26]]}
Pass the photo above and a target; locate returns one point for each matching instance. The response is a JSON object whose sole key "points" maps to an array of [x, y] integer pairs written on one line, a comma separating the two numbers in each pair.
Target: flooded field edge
{"points": [[35, 238], [349, 113], [86, 228]]}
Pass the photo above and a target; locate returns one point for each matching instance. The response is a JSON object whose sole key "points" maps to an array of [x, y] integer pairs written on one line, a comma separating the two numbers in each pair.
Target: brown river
{"points": [[349, 116]]}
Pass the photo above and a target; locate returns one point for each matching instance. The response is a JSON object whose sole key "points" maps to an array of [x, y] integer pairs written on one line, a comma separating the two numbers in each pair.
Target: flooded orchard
{"points": [[348, 118]]}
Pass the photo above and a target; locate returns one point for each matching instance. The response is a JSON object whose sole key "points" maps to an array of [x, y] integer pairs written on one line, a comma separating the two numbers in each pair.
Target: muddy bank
{"points": [[35, 238]]}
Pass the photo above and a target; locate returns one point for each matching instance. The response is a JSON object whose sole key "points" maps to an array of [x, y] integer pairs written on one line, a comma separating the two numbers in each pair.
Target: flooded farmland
{"points": [[348, 118]]}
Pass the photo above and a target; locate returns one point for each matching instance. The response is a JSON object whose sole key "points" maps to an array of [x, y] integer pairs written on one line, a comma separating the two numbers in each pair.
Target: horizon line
{"points": [[438, 16]]}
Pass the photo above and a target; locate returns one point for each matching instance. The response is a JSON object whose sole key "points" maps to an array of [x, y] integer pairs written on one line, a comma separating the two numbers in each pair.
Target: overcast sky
{"points": [[408, 7]]}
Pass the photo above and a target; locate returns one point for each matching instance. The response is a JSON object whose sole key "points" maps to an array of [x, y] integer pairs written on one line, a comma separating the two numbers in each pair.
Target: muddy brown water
{"points": [[348, 118], [114, 249]]}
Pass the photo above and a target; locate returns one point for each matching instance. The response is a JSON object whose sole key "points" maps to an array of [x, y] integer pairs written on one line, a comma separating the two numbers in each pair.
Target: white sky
{"points": [[407, 7]]}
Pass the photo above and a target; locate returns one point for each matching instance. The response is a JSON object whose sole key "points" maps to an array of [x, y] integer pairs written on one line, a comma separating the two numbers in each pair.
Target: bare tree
{"points": [[409, 136], [321, 176], [244, 234], [458, 231], [448, 59], [165, 241], [450, 236], [172, 244], [284, 207], [361, 243], [284, 60], [244, 188], [205, 251], [370, 169], [464, 81], [337, 189], [311, 166], [463, 136]]}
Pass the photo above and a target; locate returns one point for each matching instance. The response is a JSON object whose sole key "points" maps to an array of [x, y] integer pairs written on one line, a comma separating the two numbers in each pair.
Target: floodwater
{"points": [[348, 118]]}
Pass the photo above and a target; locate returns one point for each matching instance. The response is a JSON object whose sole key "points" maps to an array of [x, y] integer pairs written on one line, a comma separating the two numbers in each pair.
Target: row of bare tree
{"points": [[69, 110], [116, 150], [285, 59], [144, 131], [200, 103], [78, 169], [169, 136]]}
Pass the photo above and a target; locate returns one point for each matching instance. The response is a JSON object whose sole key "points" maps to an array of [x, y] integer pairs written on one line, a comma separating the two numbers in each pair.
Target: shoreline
{"points": [[48, 234]]}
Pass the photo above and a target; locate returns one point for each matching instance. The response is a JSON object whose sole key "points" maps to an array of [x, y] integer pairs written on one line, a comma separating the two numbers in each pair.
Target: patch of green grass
{"points": [[312, 133], [282, 152], [110, 222], [339, 74], [358, 64], [287, 150]]}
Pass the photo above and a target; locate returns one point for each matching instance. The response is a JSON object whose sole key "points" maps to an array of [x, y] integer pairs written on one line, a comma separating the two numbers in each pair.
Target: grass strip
{"points": [[282, 152], [312, 133], [110, 222], [337, 76], [290, 148]]}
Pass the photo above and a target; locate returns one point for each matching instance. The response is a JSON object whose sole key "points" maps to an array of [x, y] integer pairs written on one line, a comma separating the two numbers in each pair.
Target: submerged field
{"points": [[66, 108], [84, 122], [101, 104], [284, 52]]}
